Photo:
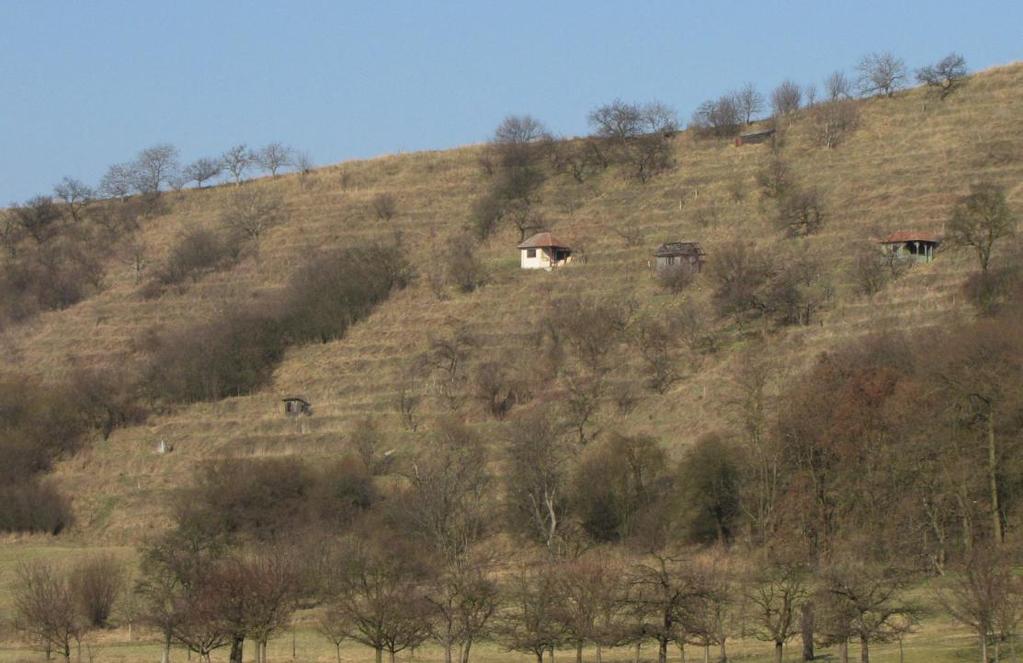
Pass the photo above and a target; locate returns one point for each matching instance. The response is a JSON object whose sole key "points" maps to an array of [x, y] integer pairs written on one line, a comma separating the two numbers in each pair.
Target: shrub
{"points": [[33, 506], [337, 288], [801, 212], [96, 584], [464, 269], [238, 353], [228, 357], [198, 252], [385, 206], [675, 278]]}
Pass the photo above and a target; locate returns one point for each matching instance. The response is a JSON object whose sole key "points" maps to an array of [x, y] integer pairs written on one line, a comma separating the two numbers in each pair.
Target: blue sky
{"points": [[87, 84]]}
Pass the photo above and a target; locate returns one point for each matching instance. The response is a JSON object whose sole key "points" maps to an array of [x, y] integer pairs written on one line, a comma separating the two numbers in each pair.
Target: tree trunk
{"points": [[600, 653], [237, 644], [807, 627], [463, 656], [539, 656], [579, 652], [682, 651], [390, 656], [550, 650], [337, 647], [447, 651], [843, 652], [638, 645], [992, 461], [779, 648], [724, 654], [166, 649], [706, 654], [864, 650], [662, 651], [379, 655]]}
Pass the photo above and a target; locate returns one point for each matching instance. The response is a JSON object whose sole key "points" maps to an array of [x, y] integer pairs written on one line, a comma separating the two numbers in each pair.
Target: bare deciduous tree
{"points": [[749, 101], [787, 98], [203, 170], [537, 477], [154, 167], [946, 75], [775, 594], [39, 217], [273, 157], [45, 609], [833, 121], [118, 181], [377, 592], [880, 74], [75, 195], [237, 160], [252, 211], [837, 86], [304, 163], [870, 597], [980, 220], [721, 117], [986, 596]]}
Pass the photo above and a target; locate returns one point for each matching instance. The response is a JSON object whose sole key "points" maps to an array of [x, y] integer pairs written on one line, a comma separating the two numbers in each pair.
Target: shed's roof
{"points": [[543, 240], [910, 236], [679, 249], [757, 134], [295, 398]]}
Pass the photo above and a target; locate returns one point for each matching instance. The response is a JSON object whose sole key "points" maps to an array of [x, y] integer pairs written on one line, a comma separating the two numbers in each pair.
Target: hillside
{"points": [[904, 167]]}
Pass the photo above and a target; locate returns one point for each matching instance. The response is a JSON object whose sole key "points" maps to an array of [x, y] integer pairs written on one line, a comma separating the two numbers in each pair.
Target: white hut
{"points": [[544, 251]]}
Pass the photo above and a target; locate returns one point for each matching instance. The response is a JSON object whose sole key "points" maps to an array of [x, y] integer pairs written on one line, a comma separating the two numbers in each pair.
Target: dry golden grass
{"points": [[903, 169]]}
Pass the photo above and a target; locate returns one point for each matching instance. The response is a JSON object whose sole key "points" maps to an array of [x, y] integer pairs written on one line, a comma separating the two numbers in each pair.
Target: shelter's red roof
{"points": [[910, 236], [543, 241]]}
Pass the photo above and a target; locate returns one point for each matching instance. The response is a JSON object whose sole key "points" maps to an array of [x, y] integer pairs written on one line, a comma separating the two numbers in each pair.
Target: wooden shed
{"points": [[754, 137], [295, 406], [688, 255], [911, 245], [544, 251]]}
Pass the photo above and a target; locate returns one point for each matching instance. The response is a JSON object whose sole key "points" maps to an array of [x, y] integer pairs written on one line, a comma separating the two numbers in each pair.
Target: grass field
{"points": [[931, 644]]}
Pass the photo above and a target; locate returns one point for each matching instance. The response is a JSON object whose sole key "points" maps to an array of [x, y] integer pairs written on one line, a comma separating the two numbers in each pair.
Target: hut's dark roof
{"points": [[910, 236], [679, 249], [543, 240], [288, 399]]}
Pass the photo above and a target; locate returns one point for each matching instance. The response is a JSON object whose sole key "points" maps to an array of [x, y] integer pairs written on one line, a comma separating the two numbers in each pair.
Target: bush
{"points": [[96, 585], [238, 353], [33, 506], [55, 275], [228, 357], [676, 278], [385, 206], [801, 212], [464, 269], [198, 252], [277, 498], [335, 289]]}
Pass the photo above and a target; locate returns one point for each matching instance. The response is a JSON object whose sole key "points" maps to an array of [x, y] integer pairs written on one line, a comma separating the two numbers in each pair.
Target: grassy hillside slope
{"points": [[903, 169]]}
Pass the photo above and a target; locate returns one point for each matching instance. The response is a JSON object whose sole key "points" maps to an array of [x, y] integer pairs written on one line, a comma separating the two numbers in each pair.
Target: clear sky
{"points": [[87, 84]]}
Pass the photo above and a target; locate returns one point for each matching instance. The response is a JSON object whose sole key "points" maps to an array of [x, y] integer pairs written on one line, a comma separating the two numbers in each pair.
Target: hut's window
{"points": [[530, 253]]}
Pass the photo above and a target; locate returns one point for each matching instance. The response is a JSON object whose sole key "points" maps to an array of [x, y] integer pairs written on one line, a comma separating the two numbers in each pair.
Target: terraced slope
{"points": [[903, 169]]}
